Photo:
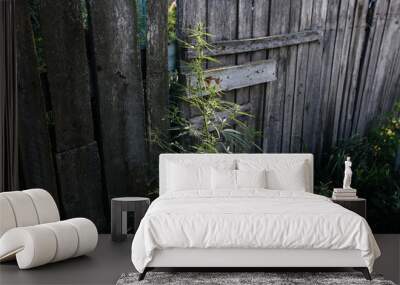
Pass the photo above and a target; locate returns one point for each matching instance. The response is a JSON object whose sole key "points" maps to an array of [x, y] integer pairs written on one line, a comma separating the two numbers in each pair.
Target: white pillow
{"points": [[223, 179], [183, 177], [251, 178], [281, 174]]}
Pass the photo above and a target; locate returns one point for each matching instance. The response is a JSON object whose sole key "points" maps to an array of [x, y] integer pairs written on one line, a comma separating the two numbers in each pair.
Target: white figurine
{"points": [[347, 174]]}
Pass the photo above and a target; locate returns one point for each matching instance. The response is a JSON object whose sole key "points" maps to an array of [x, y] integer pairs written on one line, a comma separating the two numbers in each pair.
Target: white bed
{"points": [[272, 226]]}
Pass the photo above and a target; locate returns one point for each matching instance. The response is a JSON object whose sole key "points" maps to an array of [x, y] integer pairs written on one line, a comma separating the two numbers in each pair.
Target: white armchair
{"points": [[31, 230]]}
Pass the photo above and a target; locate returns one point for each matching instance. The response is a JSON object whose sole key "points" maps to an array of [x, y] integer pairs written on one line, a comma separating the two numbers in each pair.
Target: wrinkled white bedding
{"points": [[251, 218]]}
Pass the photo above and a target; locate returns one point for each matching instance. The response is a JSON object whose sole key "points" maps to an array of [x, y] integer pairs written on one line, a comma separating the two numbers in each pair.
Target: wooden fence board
{"points": [[189, 14], [312, 98], [326, 72], [343, 65], [157, 71], [391, 40], [357, 46], [301, 77], [120, 96], [80, 179], [68, 73], [257, 93], [255, 44], [36, 158], [222, 23], [295, 10], [273, 114], [239, 76], [337, 69], [245, 19], [365, 111]]}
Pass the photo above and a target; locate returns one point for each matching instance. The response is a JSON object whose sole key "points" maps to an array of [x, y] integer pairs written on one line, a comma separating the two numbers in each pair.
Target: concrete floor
{"points": [[110, 260], [103, 266]]}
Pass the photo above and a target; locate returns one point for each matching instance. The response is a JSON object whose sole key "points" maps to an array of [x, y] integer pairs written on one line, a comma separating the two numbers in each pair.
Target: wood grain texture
{"points": [[245, 25], [67, 72], [120, 95], [275, 99], [189, 14], [80, 179], [295, 11], [312, 98], [222, 24], [35, 153], [261, 18], [261, 43], [239, 76], [157, 89], [296, 142]]}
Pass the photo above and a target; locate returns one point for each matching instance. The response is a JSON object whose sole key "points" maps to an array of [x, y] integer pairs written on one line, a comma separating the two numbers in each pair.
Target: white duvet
{"points": [[250, 219]]}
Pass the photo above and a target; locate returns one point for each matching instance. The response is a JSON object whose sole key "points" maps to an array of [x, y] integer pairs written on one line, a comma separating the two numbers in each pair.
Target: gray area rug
{"points": [[229, 278]]}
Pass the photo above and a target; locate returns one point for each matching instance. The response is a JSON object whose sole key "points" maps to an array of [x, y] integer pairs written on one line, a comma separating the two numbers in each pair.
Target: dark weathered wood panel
{"points": [[35, 153], [239, 76], [81, 184], [67, 71], [364, 109], [296, 141], [261, 43], [157, 70], [245, 24], [295, 11], [189, 14], [261, 18], [120, 95], [222, 24], [313, 99]]}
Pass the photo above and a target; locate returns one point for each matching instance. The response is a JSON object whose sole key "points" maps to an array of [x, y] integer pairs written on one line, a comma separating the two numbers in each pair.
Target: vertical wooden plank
{"points": [[337, 67], [358, 39], [295, 10], [120, 95], [363, 109], [326, 72], [301, 77], [80, 185], [257, 93], [245, 23], [189, 14], [157, 70], [222, 24], [36, 158], [68, 74], [341, 95], [67, 71], [313, 99], [275, 93], [387, 57]]}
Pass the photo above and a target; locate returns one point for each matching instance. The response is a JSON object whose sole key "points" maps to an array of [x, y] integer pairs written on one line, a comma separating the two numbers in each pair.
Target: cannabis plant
{"points": [[219, 126]]}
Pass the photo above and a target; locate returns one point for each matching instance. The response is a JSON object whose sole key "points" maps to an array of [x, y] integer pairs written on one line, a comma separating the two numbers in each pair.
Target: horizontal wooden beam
{"points": [[238, 76], [255, 44], [197, 122]]}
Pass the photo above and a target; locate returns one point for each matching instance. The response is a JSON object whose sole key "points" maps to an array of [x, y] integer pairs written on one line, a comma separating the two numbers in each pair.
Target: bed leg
{"points": [[142, 275], [364, 271]]}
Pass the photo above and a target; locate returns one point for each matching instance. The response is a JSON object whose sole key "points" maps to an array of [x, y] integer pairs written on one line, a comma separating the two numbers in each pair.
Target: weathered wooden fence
{"points": [[337, 64], [84, 116]]}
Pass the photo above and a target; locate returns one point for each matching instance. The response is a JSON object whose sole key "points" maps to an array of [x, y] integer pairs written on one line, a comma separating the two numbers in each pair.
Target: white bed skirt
{"points": [[191, 257]]}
